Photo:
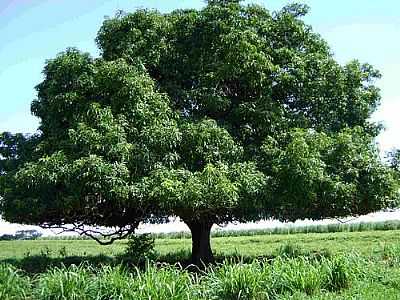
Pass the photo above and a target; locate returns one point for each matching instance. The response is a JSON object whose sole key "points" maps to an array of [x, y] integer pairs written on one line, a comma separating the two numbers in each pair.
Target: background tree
{"points": [[222, 114], [394, 159]]}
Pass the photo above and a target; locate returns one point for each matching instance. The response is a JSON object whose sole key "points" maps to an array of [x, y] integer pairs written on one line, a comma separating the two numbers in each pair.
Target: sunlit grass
{"points": [[366, 243], [260, 279], [340, 265]]}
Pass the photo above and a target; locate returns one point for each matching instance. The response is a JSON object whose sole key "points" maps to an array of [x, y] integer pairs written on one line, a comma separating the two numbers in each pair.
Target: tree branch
{"points": [[96, 234]]}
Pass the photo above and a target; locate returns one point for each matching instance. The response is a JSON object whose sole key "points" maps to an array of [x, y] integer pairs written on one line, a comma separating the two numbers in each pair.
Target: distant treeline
{"points": [[21, 235], [322, 228]]}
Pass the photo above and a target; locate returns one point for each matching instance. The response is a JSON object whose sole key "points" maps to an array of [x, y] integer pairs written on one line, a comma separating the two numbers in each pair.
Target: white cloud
{"points": [[389, 115], [19, 122]]}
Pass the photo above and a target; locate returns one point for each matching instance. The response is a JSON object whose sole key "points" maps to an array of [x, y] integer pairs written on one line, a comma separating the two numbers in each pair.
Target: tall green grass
{"points": [[13, 285], [72, 283], [256, 280]]}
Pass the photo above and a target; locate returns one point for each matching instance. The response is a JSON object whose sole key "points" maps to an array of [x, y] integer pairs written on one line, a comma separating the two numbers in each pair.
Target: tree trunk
{"points": [[201, 247]]}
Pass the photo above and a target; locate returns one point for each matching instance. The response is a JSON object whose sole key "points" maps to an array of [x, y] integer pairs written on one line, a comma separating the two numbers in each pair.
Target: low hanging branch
{"points": [[96, 234]]}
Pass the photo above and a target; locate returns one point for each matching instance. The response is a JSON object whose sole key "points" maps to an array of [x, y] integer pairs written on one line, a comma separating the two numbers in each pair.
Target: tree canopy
{"points": [[228, 113]]}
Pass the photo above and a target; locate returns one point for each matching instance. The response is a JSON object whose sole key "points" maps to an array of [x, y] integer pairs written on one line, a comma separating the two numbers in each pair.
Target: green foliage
{"points": [[15, 150], [319, 175], [140, 248], [394, 160], [216, 188], [226, 113]]}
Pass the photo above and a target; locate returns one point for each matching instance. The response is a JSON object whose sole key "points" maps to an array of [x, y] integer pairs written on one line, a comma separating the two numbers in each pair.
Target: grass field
{"points": [[365, 243], [341, 265]]}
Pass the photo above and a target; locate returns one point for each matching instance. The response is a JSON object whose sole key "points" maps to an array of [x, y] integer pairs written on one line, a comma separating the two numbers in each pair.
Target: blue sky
{"points": [[32, 31]]}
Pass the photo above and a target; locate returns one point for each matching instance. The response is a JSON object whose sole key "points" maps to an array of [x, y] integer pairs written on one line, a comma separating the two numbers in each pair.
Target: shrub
{"points": [[139, 249]]}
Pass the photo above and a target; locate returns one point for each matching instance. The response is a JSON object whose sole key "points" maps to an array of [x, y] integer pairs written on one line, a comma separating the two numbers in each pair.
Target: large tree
{"points": [[229, 113]]}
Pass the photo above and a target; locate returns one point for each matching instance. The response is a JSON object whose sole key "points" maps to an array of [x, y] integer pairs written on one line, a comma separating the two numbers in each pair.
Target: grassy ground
{"points": [[365, 243], [337, 277], [318, 266]]}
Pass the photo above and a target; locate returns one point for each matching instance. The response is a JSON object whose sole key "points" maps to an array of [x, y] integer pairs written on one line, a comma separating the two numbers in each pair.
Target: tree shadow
{"points": [[36, 264], [40, 263]]}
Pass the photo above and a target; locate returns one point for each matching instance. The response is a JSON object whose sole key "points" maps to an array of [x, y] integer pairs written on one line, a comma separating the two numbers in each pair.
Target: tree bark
{"points": [[201, 246]]}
